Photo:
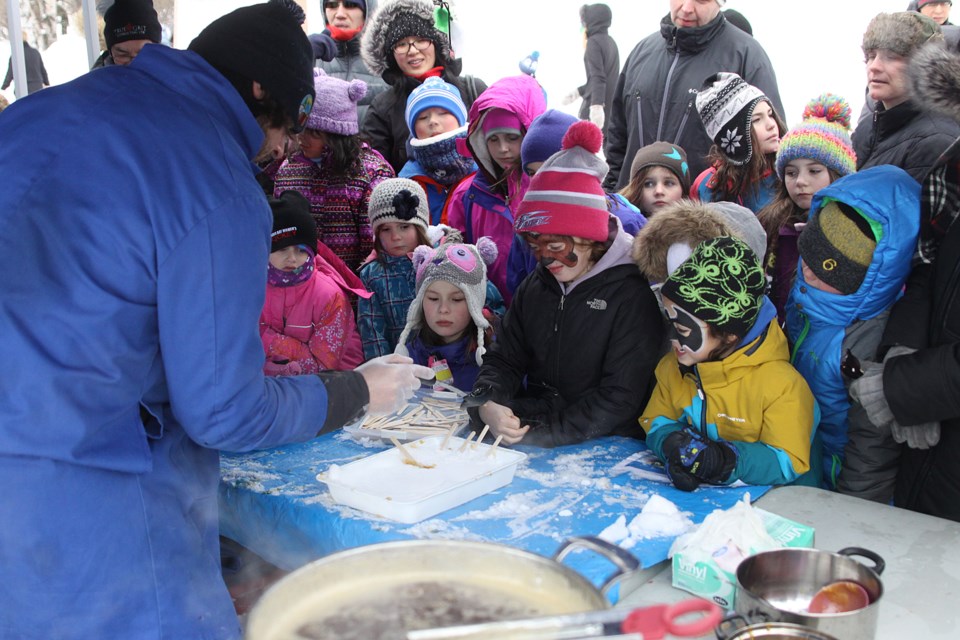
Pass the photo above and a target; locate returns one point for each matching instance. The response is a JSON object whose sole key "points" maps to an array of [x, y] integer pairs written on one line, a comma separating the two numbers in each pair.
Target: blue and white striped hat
{"points": [[434, 92]]}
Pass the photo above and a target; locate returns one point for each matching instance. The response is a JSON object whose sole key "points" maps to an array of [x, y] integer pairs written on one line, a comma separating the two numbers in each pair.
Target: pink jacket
{"points": [[474, 203], [311, 327]]}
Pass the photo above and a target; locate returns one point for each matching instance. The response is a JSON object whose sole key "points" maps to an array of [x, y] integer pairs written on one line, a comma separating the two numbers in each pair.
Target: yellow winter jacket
{"points": [[753, 395]]}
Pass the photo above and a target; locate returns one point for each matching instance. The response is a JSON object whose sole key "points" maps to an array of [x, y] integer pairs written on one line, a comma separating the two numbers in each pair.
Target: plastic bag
{"points": [[726, 537]]}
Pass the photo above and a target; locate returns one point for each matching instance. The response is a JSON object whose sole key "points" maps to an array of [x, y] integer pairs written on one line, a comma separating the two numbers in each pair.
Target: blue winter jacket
{"points": [[817, 321], [134, 241]]}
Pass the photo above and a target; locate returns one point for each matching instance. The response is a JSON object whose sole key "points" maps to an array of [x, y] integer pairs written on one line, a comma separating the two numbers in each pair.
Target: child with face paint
{"points": [[728, 406], [542, 141], [746, 132], [307, 324], [575, 353], [485, 204]]}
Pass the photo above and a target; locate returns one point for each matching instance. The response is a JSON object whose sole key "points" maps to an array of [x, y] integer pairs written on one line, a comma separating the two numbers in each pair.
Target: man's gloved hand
{"points": [[596, 115], [324, 46], [391, 381], [570, 98], [867, 390], [692, 460]]}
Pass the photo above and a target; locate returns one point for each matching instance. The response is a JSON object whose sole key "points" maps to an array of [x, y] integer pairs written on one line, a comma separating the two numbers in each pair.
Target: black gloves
{"points": [[324, 46], [692, 460]]}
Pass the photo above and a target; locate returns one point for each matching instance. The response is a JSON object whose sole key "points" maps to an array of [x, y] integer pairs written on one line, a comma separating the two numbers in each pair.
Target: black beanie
{"points": [[131, 20], [265, 43], [292, 222]]}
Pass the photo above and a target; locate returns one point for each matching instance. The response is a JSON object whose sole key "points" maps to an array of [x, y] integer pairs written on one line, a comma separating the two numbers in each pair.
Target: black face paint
{"points": [[694, 341], [540, 246]]}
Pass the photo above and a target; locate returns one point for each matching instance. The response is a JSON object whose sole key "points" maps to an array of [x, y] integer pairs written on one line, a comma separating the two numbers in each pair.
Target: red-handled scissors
{"points": [[655, 622]]}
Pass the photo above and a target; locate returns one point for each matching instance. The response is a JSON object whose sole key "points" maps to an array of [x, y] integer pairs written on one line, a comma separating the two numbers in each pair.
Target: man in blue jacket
{"points": [[134, 241]]}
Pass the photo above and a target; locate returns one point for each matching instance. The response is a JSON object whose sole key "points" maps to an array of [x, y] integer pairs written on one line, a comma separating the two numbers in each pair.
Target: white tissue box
{"points": [[716, 578]]}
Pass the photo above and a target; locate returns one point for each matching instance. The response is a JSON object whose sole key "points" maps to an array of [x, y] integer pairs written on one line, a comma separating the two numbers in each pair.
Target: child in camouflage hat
{"points": [[728, 405]]}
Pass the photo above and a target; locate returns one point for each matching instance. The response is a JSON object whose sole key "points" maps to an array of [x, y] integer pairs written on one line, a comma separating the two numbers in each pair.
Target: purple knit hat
{"points": [[335, 108]]}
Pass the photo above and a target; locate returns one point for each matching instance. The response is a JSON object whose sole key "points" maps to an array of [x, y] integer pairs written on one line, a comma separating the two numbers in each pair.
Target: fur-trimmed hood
{"points": [[935, 74], [374, 48], [689, 223]]}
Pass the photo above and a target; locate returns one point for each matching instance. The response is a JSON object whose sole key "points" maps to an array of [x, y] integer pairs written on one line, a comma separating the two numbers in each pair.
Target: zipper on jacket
{"points": [[556, 322], [703, 403], [639, 121], [683, 120], [666, 91]]}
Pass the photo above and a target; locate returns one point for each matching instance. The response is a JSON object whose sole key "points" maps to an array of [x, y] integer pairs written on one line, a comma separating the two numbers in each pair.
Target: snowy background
{"points": [[814, 45]]}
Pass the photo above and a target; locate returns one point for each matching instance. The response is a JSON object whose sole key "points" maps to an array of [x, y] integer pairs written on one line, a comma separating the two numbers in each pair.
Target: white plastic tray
{"points": [[384, 485], [357, 432]]}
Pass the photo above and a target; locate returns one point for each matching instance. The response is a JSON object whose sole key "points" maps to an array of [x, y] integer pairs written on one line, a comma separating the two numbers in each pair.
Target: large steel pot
{"points": [[384, 590], [778, 586]]}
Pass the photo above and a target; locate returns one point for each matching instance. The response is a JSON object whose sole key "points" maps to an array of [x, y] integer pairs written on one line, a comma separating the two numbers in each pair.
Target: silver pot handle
{"points": [[625, 561], [878, 564]]}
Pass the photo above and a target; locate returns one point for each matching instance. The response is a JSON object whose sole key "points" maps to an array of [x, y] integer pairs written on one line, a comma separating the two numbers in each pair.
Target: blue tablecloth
{"points": [[272, 503]]}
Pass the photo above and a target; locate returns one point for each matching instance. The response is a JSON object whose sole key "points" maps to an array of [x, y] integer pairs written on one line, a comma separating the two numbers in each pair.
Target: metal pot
{"points": [[384, 590], [779, 585], [737, 627]]}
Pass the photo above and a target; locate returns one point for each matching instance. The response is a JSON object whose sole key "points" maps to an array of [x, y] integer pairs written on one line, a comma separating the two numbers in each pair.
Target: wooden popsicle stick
{"points": [[446, 439], [480, 437], [466, 442], [403, 451], [493, 449]]}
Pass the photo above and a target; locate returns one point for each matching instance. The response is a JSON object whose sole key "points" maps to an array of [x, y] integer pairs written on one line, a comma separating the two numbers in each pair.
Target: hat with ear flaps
{"points": [[726, 104], [462, 265], [902, 32]]}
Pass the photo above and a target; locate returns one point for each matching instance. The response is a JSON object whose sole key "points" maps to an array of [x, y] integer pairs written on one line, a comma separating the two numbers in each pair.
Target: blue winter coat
{"points": [[134, 241], [817, 321]]}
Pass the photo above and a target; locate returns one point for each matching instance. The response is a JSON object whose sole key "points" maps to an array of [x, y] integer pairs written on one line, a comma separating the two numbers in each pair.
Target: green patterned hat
{"points": [[721, 283]]}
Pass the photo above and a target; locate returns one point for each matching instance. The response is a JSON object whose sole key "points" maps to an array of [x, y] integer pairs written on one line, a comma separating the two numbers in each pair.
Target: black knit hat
{"points": [[837, 245], [265, 43], [721, 283], [131, 20], [292, 222]]}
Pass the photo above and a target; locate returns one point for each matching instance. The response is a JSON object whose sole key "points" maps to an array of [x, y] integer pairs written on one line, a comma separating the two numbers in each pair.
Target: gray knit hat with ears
{"points": [[395, 21], [902, 32], [398, 200], [462, 265]]}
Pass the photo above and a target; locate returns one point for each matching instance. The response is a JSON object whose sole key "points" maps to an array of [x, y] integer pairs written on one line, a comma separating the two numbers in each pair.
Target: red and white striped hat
{"points": [[565, 197]]}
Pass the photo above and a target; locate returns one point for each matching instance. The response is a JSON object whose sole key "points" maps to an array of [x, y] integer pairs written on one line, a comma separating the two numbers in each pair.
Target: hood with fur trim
{"points": [[935, 75], [374, 48], [685, 224]]}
